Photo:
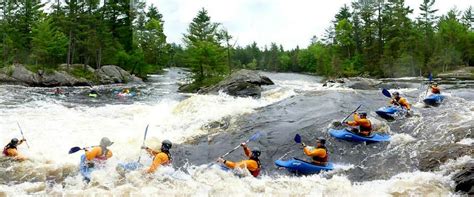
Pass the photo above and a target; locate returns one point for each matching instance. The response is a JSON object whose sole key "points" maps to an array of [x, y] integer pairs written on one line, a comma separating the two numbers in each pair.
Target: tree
{"points": [[48, 44], [426, 21], [204, 53]]}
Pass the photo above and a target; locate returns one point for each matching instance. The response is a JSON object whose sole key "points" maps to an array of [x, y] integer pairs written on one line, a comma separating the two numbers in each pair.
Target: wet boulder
{"points": [[19, 74], [113, 74], [435, 157], [244, 83], [359, 83], [61, 78], [465, 179]]}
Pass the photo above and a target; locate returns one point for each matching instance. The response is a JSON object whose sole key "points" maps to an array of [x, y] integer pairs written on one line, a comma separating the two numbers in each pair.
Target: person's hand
{"points": [[243, 144], [220, 160], [303, 144], [90, 164], [23, 140], [345, 123], [144, 147]]}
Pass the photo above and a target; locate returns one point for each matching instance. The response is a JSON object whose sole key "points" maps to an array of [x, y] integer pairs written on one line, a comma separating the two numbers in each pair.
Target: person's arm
{"points": [[109, 154], [157, 162], [151, 151], [247, 151], [405, 103], [90, 155]]}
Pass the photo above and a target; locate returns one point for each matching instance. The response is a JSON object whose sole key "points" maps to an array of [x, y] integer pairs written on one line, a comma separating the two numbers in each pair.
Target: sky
{"points": [[288, 22]]}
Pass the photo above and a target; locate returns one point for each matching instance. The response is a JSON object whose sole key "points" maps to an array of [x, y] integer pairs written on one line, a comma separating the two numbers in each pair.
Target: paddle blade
{"points": [[297, 138], [430, 77], [254, 137], [386, 93], [74, 149]]}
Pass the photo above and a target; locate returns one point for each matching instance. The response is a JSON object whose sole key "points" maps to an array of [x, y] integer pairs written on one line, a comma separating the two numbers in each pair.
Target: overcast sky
{"points": [[286, 22]]}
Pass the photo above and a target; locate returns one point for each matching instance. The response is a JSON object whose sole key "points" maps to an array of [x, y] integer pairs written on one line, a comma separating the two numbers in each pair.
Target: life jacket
{"points": [[366, 127], [256, 172], [103, 156], [8, 146], [435, 90], [323, 160], [169, 157]]}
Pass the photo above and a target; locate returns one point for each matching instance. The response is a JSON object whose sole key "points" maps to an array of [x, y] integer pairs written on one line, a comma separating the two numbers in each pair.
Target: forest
{"points": [[377, 38]]}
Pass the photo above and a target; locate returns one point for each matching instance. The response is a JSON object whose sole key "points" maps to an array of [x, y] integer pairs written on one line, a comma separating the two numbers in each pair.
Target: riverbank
{"points": [[64, 75]]}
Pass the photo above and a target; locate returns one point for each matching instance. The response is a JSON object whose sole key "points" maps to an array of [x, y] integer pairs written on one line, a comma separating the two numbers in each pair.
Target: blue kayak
{"points": [[130, 166], [389, 112], [84, 169], [434, 99], [344, 134], [302, 167]]}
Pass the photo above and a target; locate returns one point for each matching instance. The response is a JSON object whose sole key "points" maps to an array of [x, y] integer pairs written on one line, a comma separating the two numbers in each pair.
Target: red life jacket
{"points": [[8, 146], [256, 172]]}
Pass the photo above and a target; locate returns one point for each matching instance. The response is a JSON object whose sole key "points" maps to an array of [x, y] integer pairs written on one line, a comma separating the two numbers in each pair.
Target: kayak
{"points": [[93, 95], [434, 99], [389, 112], [84, 169], [130, 166], [302, 167], [131, 94], [344, 134]]}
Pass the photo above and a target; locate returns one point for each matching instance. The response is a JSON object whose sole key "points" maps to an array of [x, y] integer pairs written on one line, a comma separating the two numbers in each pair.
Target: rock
{"points": [[113, 74], [76, 66], [243, 83], [359, 83], [23, 75], [465, 179], [61, 78], [432, 159], [462, 73]]}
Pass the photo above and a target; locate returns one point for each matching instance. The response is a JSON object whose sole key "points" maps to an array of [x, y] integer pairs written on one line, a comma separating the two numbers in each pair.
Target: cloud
{"points": [[285, 22]]}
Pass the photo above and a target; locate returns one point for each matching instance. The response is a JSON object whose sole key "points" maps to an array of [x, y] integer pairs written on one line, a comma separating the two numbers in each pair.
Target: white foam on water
{"points": [[466, 141]]}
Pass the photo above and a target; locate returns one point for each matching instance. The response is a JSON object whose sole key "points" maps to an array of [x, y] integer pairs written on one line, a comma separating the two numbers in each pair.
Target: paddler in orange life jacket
{"points": [[435, 89], [319, 155], [364, 126], [10, 149], [99, 154], [252, 164], [400, 101], [162, 157]]}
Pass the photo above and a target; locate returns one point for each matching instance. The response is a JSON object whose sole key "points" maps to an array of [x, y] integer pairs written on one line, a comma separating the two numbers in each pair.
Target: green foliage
{"points": [[204, 54]]}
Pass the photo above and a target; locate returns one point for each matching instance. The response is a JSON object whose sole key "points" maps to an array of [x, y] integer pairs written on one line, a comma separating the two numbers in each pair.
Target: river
{"points": [[202, 127]]}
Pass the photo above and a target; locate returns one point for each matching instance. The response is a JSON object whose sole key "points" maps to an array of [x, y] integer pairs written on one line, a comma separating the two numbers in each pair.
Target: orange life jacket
{"points": [[256, 172], [322, 160]]}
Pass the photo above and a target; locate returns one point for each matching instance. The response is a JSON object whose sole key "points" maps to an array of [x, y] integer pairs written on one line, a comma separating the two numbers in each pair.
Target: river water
{"points": [[202, 127]]}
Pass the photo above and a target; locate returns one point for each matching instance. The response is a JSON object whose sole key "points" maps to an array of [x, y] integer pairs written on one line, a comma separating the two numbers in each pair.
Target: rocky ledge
{"points": [[243, 83], [19, 74]]}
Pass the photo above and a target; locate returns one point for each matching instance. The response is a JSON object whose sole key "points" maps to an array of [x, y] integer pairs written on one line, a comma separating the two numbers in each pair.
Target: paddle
{"points": [[337, 124], [252, 138], [75, 149], [22, 134], [143, 144], [430, 78]]}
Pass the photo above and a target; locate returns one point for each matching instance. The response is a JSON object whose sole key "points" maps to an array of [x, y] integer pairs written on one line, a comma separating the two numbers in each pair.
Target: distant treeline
{"points": [[369, 37]]}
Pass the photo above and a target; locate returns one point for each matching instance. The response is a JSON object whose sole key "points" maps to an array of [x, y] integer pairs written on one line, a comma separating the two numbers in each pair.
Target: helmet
{"points": [[321, 140], [256, 152], [435, 84], [14, 141], [166, 144], [105, 142], [396, 94], [363, 113]]}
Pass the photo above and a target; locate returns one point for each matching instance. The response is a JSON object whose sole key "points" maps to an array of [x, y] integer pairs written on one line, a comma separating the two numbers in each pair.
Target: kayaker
{"points": [[400, 101], [58, 91], [10, 149], [252, 164], [364, 126], [319, 155], [98, 154], [435, 89], [125, 91], [162, 157]]}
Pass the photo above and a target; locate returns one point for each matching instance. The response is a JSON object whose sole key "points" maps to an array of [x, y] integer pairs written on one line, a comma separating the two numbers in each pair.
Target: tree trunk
{"points": [[69, 48]]}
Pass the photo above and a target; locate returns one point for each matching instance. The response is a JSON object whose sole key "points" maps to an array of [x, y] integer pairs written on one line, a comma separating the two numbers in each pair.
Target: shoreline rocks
{"points": [[19, 75]]}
